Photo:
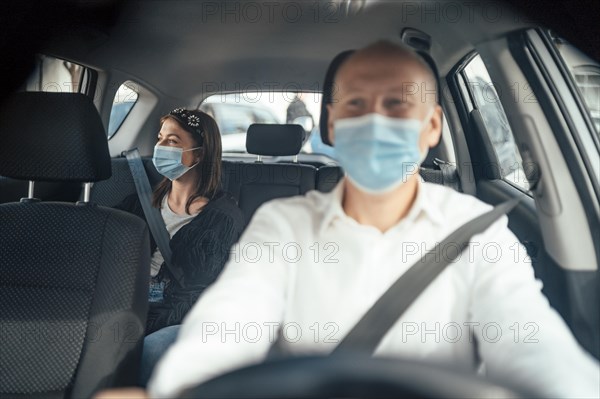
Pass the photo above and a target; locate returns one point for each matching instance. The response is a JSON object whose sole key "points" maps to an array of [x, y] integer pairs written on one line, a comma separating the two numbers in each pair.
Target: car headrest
{"points": [[328, 92], [272, 139], [52, 137]]}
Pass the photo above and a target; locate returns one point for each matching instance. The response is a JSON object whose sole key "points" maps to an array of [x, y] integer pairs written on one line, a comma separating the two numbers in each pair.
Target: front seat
{"points": [[73, 277]]}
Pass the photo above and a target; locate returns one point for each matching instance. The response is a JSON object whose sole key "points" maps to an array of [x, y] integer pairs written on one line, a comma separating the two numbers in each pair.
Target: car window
{"points": [[233, 118], [486, 100], [235, 112], [52, 74], [124, 100], [585, 73]]}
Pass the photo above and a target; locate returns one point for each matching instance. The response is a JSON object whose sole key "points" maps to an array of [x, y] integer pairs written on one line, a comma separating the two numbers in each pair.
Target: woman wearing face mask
{"points": [[202, 220]]}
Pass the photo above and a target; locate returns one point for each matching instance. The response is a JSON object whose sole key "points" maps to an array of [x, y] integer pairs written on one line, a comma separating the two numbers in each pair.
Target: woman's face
{"points": [[173, 135]]}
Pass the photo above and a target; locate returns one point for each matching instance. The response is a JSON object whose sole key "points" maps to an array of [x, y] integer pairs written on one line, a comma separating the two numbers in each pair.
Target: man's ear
{"points": [[434, 127], [330, 134]]}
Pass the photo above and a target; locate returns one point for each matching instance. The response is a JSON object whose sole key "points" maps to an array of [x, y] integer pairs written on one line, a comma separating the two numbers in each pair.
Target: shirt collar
{"points": [[424, 204], [333, 207]]}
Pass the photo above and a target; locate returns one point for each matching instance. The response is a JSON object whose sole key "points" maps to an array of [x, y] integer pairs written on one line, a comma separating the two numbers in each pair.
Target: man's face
{"points": [[393, 86]]}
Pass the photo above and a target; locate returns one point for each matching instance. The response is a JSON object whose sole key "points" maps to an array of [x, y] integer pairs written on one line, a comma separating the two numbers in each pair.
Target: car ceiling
{"points": [[182, 49]]}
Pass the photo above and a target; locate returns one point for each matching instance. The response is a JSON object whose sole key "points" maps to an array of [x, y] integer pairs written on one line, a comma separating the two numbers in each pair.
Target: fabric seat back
{"points": [[73, 298]]}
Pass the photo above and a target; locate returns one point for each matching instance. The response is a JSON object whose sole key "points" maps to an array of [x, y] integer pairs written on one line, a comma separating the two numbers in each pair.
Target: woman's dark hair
{"points": [[208, 137]]}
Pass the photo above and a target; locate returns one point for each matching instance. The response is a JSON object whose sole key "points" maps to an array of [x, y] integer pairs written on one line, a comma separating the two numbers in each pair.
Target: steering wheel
{"points": [[349, 377]]}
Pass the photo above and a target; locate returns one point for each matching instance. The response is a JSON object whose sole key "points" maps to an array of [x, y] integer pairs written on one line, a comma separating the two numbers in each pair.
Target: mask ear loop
{"points": [[190, 149], [194, 165]]}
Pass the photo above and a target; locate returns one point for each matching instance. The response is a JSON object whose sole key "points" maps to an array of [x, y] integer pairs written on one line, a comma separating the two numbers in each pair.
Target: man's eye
{"points": [[395, 102], [355, 102]]}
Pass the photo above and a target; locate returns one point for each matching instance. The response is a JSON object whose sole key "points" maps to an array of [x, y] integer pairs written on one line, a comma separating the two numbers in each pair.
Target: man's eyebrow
{"points": [[404, 87]]}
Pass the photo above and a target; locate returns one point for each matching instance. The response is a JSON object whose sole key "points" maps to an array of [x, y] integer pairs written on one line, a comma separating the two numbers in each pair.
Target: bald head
{"points": [[387, 55], [390, 80]]}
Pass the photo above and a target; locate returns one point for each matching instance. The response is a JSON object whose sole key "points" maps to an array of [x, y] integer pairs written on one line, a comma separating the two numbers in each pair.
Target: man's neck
{"points": [[380, 211]]}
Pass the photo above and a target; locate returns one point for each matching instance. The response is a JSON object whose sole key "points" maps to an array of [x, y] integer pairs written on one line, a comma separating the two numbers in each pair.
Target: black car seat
{"points": [[120, 185], [74, 276], [254, 183]]}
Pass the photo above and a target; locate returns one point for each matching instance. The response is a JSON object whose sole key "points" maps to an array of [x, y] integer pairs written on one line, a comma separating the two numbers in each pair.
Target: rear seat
{"points": [[114, 190], [251, 183], [328, 176], [255, 183]]}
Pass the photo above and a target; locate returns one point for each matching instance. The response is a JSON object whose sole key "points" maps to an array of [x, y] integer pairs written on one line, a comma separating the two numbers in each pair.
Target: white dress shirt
{"points": [[305, 269]]}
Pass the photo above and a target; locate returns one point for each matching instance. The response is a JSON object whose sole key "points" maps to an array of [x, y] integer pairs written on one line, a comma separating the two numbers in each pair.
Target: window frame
{"points": [[537, 44], [466, 103], [89, 81], [568, 78]]}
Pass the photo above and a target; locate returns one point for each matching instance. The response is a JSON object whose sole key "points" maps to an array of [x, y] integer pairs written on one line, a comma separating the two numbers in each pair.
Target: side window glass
{"points": [[55, 75], [486, 100], [125, 98], [586, 75]]}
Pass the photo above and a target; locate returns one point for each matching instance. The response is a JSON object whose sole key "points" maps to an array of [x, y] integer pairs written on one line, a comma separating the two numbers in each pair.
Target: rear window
{"points": [[235, 112]]}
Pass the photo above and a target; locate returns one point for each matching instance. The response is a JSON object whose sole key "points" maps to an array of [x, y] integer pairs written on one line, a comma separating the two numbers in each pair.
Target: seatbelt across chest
{"points": [[156, 224], [366, 335]]}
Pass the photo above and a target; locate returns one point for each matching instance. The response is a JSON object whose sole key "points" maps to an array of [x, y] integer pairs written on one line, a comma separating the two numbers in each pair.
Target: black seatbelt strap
{"points": [[377, 321], [156, 224]]}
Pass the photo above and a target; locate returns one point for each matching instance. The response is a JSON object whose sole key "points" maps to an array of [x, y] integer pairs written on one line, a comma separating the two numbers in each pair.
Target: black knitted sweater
{"points": [[199, 249]]}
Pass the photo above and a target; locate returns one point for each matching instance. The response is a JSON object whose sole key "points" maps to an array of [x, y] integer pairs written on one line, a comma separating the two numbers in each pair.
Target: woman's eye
{"points": [[171, 142]]}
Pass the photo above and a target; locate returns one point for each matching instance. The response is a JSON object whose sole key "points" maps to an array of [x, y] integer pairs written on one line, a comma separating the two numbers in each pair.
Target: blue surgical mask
{"points": [[167, 161], [377, 152]]}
